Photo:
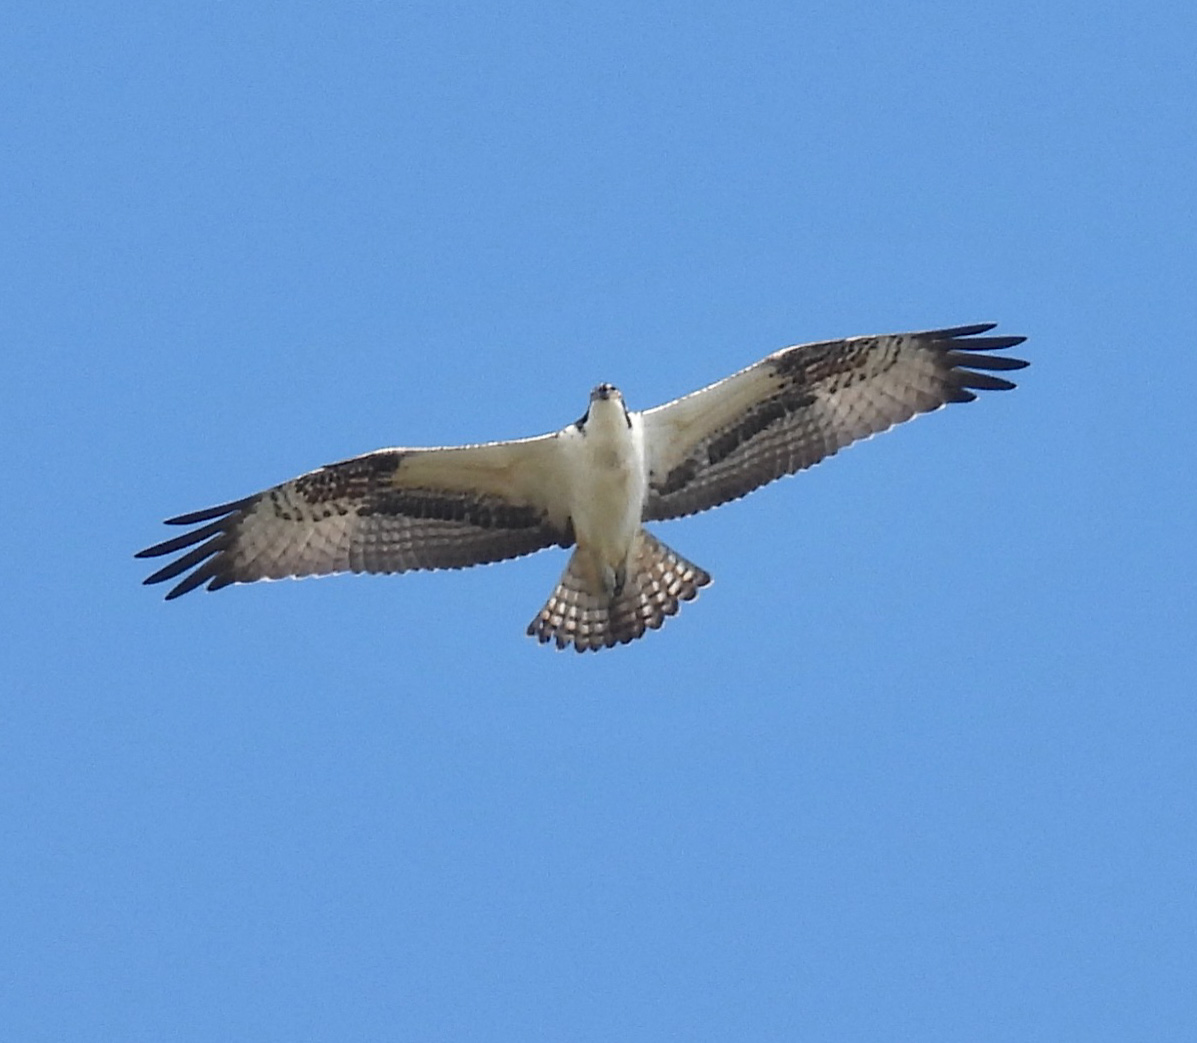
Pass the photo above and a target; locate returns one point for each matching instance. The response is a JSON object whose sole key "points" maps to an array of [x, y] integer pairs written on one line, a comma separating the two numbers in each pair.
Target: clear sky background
{"points": [[918, 765]]}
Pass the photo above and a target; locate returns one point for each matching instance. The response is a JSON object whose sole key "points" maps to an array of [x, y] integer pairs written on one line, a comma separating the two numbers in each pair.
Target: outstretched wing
{"points": [[388, 511], [801, 404]]}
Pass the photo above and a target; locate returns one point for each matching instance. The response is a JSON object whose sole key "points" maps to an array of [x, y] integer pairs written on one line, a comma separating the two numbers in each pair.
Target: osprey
{"points": [[591, 485]]}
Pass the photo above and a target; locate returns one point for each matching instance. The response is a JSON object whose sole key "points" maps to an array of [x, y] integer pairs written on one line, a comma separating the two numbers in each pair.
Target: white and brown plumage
{"points": [[591, 485]]}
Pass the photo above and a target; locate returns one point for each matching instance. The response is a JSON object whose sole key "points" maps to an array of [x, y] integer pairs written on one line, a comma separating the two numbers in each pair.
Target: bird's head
{"points": [[604, 392], [606, 404]]}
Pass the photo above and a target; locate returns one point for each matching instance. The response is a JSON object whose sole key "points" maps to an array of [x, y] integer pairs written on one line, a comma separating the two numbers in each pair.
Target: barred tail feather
{"points": [[583, 614]]}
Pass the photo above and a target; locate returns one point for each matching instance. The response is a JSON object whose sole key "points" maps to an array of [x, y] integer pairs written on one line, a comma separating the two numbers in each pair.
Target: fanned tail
{"points": [[583, 614]]}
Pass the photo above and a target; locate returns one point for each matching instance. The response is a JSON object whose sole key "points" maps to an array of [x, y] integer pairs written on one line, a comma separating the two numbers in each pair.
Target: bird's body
{"points": [[591, 485], [604, 456]]}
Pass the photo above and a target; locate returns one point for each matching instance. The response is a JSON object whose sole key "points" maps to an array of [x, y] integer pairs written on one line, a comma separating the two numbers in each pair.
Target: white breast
{"points": [[609, 481]]}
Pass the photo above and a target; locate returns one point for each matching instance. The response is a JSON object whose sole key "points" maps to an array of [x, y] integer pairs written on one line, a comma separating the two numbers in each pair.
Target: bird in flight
{"points": [[591, 485]]}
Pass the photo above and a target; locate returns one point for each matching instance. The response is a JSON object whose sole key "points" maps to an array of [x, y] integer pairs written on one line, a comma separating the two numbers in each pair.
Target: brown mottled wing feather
{"points": [[389, 511], [801, 404]]}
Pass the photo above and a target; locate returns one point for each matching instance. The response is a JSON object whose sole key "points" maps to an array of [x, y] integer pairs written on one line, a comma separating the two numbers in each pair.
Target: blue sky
{"points": [[918, 765]]}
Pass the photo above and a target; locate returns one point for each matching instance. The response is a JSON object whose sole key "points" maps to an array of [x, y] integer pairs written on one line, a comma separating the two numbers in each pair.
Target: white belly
{"points": [[609, 483]]}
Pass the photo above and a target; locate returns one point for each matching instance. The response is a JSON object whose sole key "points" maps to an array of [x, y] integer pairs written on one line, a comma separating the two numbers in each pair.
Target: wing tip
{"points": [[951, 332], [965, 378], [206, 549], [969, 337], [965, 355], [209, 513]]}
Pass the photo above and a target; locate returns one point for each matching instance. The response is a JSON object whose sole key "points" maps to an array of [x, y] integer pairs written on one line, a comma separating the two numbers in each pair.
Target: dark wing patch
{"points": [[351, 516], [802, 404]]}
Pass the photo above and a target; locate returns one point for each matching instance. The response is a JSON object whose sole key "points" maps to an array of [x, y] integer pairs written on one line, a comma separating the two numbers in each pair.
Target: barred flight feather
{"points": [[591, 484]]}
